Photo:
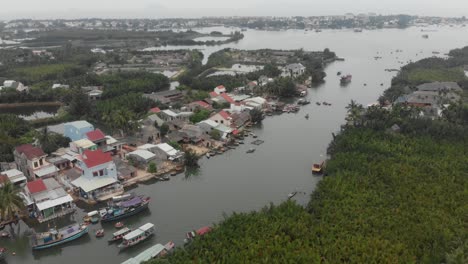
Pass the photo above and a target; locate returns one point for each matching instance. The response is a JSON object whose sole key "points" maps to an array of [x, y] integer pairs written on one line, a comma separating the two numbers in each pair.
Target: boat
{"points": [[5, 234], [137, 236], [55, 237], [425, 36], [173, 173], [303, 102], [241, 142], [358, 30], [338, 73], [119, 225], [155, 251], [189, 236], [291, 195], [252, 150], [207, 155], [119, 234], [346, 79], [122, 197], [124, 209], [99, 233], [318, 103], [164, 178], [307, 116], [212, 153], [254, 136], [318, 167], [318, 30]]}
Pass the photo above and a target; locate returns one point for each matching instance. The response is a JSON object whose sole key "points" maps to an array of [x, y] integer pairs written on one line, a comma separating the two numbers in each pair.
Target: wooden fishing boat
{"points": [[137, 236], [189, 236], [124, 209], [119, 234], [99, 233], [252, 150], [55, 237], [119, 225], [346, 79], [318, 167]]}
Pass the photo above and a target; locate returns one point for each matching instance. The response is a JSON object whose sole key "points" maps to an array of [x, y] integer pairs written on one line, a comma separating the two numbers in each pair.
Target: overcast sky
{"points": [[10, 9]]}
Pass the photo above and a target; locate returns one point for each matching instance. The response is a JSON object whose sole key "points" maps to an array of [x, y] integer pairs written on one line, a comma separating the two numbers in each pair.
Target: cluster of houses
{"points": [[12, 84], [93, 168], [432, 98]]}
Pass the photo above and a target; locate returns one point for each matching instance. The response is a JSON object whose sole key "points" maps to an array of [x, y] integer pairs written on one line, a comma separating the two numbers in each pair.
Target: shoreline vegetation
{"points": [[390, 195], [30, 104]]}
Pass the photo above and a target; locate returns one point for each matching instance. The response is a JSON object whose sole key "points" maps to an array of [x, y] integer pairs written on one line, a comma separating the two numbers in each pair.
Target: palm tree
{"points": [[10, 201], [355, 113]]}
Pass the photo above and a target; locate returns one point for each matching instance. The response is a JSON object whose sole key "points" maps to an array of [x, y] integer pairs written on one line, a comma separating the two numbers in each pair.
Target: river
{"points": [[243, 182]]}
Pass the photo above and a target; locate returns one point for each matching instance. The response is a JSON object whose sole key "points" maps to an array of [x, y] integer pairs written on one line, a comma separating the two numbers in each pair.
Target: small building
{"points": [[155, 110], [95, 95], [256, 102], [47, 199], [98, 180], [165, 151], [143, 157], [222, 117], [220, 89], [199, 105], [240, 119], [170, 115], [293, 70], [440, 87], [148, 147], [77, 130], [82, 145], [32, 162], [97, 137], [15, 176]]}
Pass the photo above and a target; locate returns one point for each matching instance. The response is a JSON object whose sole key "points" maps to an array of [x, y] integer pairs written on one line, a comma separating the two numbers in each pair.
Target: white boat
{"points": [[137, 236], [121, 197]]}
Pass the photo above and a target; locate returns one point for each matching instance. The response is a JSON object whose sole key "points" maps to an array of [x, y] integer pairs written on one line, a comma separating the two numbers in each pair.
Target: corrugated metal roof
{"points": [[90, 185], [52, 203], [142, 153], [46, 171]]}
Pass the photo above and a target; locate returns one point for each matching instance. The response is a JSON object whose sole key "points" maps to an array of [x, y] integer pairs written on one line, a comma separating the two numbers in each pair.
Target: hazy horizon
{"points": [[153, 9]]}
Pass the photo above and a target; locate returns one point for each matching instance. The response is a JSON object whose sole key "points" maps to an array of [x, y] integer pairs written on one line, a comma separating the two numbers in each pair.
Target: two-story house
{"points": [[222, 117], [32, 162], [98, 179], [77, 130]]}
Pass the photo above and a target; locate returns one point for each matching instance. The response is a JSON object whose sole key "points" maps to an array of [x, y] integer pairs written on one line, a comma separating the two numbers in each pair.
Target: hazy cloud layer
{"points": [[10, 9]]}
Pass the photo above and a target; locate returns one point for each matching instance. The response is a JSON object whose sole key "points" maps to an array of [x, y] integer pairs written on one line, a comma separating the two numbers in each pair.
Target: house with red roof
{"points": [[47, 199], [97, 137], [32, 162], [222, 117], [198, 105], [155, 110], [220, 89], [214, 94], [98, 176]]}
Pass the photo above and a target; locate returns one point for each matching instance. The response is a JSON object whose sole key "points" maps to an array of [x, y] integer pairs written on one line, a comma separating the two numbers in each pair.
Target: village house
{"points": [[220, 89], [209, 125], [47, 200], [222, 117], [439, 87], [171, 115], [193, 133], [155, 110], [148, 147], [256, 102], [15, 176], [141, 156], [97, 137], [166, 97], [95, 94], [77, 130], [293, 70], [165, 151], [124, 170], [199, 105], [240, 119], [98, 179], [82, 145], [32, 162]]}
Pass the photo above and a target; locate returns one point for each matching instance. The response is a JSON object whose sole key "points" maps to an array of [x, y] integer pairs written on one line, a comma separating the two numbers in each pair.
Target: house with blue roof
{"points": [[77, 130]]}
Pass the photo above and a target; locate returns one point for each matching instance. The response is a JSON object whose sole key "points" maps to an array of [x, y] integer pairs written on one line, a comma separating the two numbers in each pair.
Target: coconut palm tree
{"points": [[10, 201]]}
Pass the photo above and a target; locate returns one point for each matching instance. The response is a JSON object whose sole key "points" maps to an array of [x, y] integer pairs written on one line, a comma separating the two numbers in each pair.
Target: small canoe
{"points": [[119, 225], [100, 233], [252, 150]]}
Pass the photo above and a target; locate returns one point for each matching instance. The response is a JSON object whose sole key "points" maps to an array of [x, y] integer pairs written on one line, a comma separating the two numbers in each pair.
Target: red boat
{"points": [[318, 168], [119, 225], [100, 233], [346, 79], [199, 232]]}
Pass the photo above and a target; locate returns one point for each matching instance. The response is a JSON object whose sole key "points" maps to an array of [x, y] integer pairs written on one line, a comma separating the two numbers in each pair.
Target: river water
{"points": [[242, 182]]}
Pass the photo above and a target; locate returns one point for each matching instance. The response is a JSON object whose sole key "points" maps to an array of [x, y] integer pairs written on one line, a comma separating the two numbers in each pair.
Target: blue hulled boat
{"points": [[124, 209], [55, 237]]}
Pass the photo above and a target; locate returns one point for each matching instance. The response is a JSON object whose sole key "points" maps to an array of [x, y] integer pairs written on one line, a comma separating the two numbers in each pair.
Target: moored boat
{"points": [[119, 225], [137, 236], [100, 233], [124, 209], [199, 232], [252, 150], [346, 79], [318, 167], [55, 237], [119, 234]]}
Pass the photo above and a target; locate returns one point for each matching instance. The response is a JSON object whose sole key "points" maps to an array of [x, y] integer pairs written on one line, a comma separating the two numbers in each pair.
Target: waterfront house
{"points": [[220, 89], [32, 162], [98, 180], [256, 102], [77, 130], [124, 170], [141, 156], [148, 147], [165, 151], [439, 87], [47, 200], [171, 115], [222, 117], [240, 119], [293, 70], [97, 137], [208, 125], [81, 145], [14, 176]]}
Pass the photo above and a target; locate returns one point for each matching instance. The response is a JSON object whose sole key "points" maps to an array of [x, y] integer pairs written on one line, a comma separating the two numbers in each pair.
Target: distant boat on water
{"points": [[346, 79]]}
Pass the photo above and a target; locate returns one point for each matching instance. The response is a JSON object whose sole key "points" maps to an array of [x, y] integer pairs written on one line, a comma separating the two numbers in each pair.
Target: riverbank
{"points": [[30, 104]]}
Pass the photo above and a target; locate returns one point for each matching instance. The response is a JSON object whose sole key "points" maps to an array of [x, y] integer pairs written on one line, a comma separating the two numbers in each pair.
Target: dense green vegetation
{"points": [[200, 115], [10, 201], [13, 131], [137, 82]]}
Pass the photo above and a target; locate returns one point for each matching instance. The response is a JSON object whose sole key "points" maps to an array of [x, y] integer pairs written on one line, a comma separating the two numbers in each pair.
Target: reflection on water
{"points": [[32, 112]]}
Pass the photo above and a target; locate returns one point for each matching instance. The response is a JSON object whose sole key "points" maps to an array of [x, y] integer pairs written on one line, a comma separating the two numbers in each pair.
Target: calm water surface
{"points": [[243, 182]]}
